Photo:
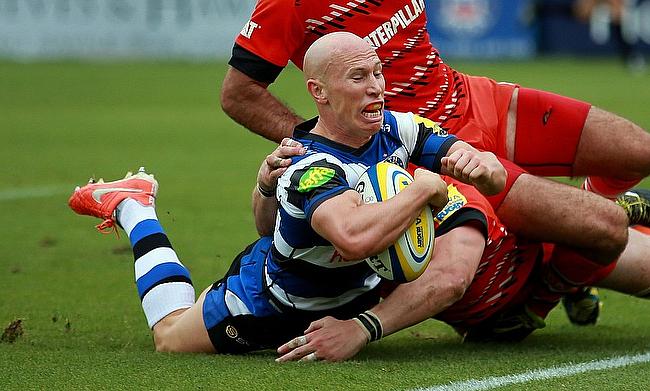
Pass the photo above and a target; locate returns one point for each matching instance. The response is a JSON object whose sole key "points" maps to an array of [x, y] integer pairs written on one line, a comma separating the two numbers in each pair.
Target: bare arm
{"points": [[359, 230], [250, 104], [480, 169], [448, 275]]}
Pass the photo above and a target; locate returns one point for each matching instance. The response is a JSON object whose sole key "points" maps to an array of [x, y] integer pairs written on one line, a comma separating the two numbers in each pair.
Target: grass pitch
{"points": [[73, 289]]}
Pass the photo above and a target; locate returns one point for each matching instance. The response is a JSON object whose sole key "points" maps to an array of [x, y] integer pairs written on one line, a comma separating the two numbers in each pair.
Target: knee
{"points": [[164, 341], [612, 228]]}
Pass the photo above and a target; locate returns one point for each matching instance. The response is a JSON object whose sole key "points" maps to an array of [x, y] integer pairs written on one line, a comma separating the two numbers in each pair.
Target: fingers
{"points": [[297, 349]]}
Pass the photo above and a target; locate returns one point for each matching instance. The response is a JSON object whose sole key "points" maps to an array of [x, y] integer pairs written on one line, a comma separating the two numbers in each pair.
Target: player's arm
{"points": [[263, 48], [265, 205], [444, 282], [430, 146], [359, 230], [481, 169], [248, 102]]}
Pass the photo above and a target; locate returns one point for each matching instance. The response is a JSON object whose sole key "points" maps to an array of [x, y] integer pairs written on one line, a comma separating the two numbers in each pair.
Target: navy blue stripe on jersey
{"points": [[297, 232], [306, 280], [432, 151]]}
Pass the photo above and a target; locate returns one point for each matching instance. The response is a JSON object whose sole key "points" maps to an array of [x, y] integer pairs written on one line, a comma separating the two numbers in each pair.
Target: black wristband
{"points": [[371, 323], [265, 193]]}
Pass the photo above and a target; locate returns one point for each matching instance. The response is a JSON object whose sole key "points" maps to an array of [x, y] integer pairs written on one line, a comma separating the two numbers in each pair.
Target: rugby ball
{"points": [[409, 256]]}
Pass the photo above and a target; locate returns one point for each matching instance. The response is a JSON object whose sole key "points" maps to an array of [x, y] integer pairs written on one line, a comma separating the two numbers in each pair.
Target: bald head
{"points": [[328, 49]]}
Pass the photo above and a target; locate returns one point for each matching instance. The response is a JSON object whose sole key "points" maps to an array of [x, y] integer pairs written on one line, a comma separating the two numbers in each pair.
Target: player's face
{"points": [[356, 92]]}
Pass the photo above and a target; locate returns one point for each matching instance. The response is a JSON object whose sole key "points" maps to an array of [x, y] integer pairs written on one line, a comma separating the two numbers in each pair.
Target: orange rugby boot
{"points": [[99, 198]]}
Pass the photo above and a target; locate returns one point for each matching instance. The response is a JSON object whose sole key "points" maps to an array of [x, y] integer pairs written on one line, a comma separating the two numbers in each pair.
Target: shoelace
{"points": [[107, 227]]}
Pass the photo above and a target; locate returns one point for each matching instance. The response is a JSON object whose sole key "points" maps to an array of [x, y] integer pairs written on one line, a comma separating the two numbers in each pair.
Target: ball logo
{"points": [[409, 256]]}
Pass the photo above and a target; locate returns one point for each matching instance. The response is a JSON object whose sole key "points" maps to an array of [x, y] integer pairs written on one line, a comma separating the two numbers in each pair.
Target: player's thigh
{"points": [[547, 211], [547, 130], [612, 146], [184, 331]]}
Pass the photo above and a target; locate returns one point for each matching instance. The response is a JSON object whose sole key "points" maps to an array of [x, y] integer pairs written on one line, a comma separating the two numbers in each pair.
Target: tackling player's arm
{"points": [[359, 230], [427, 141], [261, 51], [444, 282], [265, 205], [249, 103]]}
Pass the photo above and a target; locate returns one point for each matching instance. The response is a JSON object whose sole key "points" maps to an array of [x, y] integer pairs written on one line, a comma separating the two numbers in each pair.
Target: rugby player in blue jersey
{"points": [[312, 263]]}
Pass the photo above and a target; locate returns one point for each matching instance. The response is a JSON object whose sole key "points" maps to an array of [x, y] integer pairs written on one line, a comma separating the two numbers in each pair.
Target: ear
{"points": [[317, 90]]}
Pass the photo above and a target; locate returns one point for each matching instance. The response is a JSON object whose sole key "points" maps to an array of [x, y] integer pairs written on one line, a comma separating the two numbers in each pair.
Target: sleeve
{"points": [[427, 143], [272, 35], [465, 206], [312, 184]]}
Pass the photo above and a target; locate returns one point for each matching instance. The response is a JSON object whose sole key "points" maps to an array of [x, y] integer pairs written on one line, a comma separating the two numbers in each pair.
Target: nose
{"points": [[375, 86]]}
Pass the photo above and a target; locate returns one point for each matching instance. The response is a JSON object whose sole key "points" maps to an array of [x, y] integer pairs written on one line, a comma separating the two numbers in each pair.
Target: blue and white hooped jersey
{"points": [[304, 271]]}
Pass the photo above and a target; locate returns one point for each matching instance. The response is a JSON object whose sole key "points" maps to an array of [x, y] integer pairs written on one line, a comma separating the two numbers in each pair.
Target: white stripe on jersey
{"points": [[319, 303], [323, 256]]}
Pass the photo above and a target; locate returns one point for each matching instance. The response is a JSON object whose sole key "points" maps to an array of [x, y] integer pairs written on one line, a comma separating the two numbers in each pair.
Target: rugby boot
{"points": [[583, 306], [511, 326], [100, 199], [636, 203]]}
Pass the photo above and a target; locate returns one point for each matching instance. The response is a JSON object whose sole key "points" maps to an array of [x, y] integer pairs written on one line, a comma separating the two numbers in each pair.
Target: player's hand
{"points": [[327, 339], [435, 185], [277, 162], [481, 169]]}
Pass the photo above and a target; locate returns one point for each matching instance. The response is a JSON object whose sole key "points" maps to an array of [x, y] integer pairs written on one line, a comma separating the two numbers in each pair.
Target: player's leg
{"points": [[632, 272], [163, 282], [546, 211]]}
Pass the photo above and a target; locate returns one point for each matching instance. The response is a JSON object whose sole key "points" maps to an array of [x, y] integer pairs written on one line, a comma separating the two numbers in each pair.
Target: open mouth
{"points": [[373, 110]]}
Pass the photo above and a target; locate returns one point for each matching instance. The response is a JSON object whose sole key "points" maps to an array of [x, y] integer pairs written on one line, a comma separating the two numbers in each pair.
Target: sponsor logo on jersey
{"points": [[231, 332], [395, 160], [431, 125], [400, 20], [248, 29], [315, 177], [456, 201]]}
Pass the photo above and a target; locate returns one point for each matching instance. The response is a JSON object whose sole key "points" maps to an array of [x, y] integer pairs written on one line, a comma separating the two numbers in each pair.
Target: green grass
{"points": [[83, 328]]}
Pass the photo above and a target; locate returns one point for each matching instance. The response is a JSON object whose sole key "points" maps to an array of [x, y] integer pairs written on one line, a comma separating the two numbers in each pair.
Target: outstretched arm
{"points": [[248, 102], [451, 270]]}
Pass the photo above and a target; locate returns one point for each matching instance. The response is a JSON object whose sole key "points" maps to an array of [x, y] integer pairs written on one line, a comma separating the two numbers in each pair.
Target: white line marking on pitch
{"points": [[34, 192], [489, 383]]}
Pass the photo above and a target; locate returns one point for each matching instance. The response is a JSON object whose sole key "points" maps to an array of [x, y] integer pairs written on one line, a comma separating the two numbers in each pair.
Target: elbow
{"points": [[354, 247], [446, 288], [227, 100]]}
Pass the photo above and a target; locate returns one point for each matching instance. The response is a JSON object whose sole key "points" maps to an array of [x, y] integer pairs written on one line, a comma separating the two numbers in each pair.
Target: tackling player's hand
{"points": [[277, 162], [327, 339], [434, 184], [481, 169]]}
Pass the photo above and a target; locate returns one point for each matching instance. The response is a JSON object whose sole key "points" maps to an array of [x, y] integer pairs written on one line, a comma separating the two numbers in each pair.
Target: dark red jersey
{"points": [[506, 264], [417, 80]]}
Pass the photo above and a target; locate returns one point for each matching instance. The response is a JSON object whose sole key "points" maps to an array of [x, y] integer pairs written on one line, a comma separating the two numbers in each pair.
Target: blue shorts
{"points": [[240, 314]]}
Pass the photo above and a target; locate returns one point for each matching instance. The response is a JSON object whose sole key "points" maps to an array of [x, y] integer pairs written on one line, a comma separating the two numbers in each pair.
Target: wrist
{"points": [[266, 193], [370, 324]]}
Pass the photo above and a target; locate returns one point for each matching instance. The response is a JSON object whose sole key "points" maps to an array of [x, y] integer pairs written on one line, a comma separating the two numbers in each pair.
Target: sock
{"points": [[564, 273], [608, 187], [163, 283]]}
